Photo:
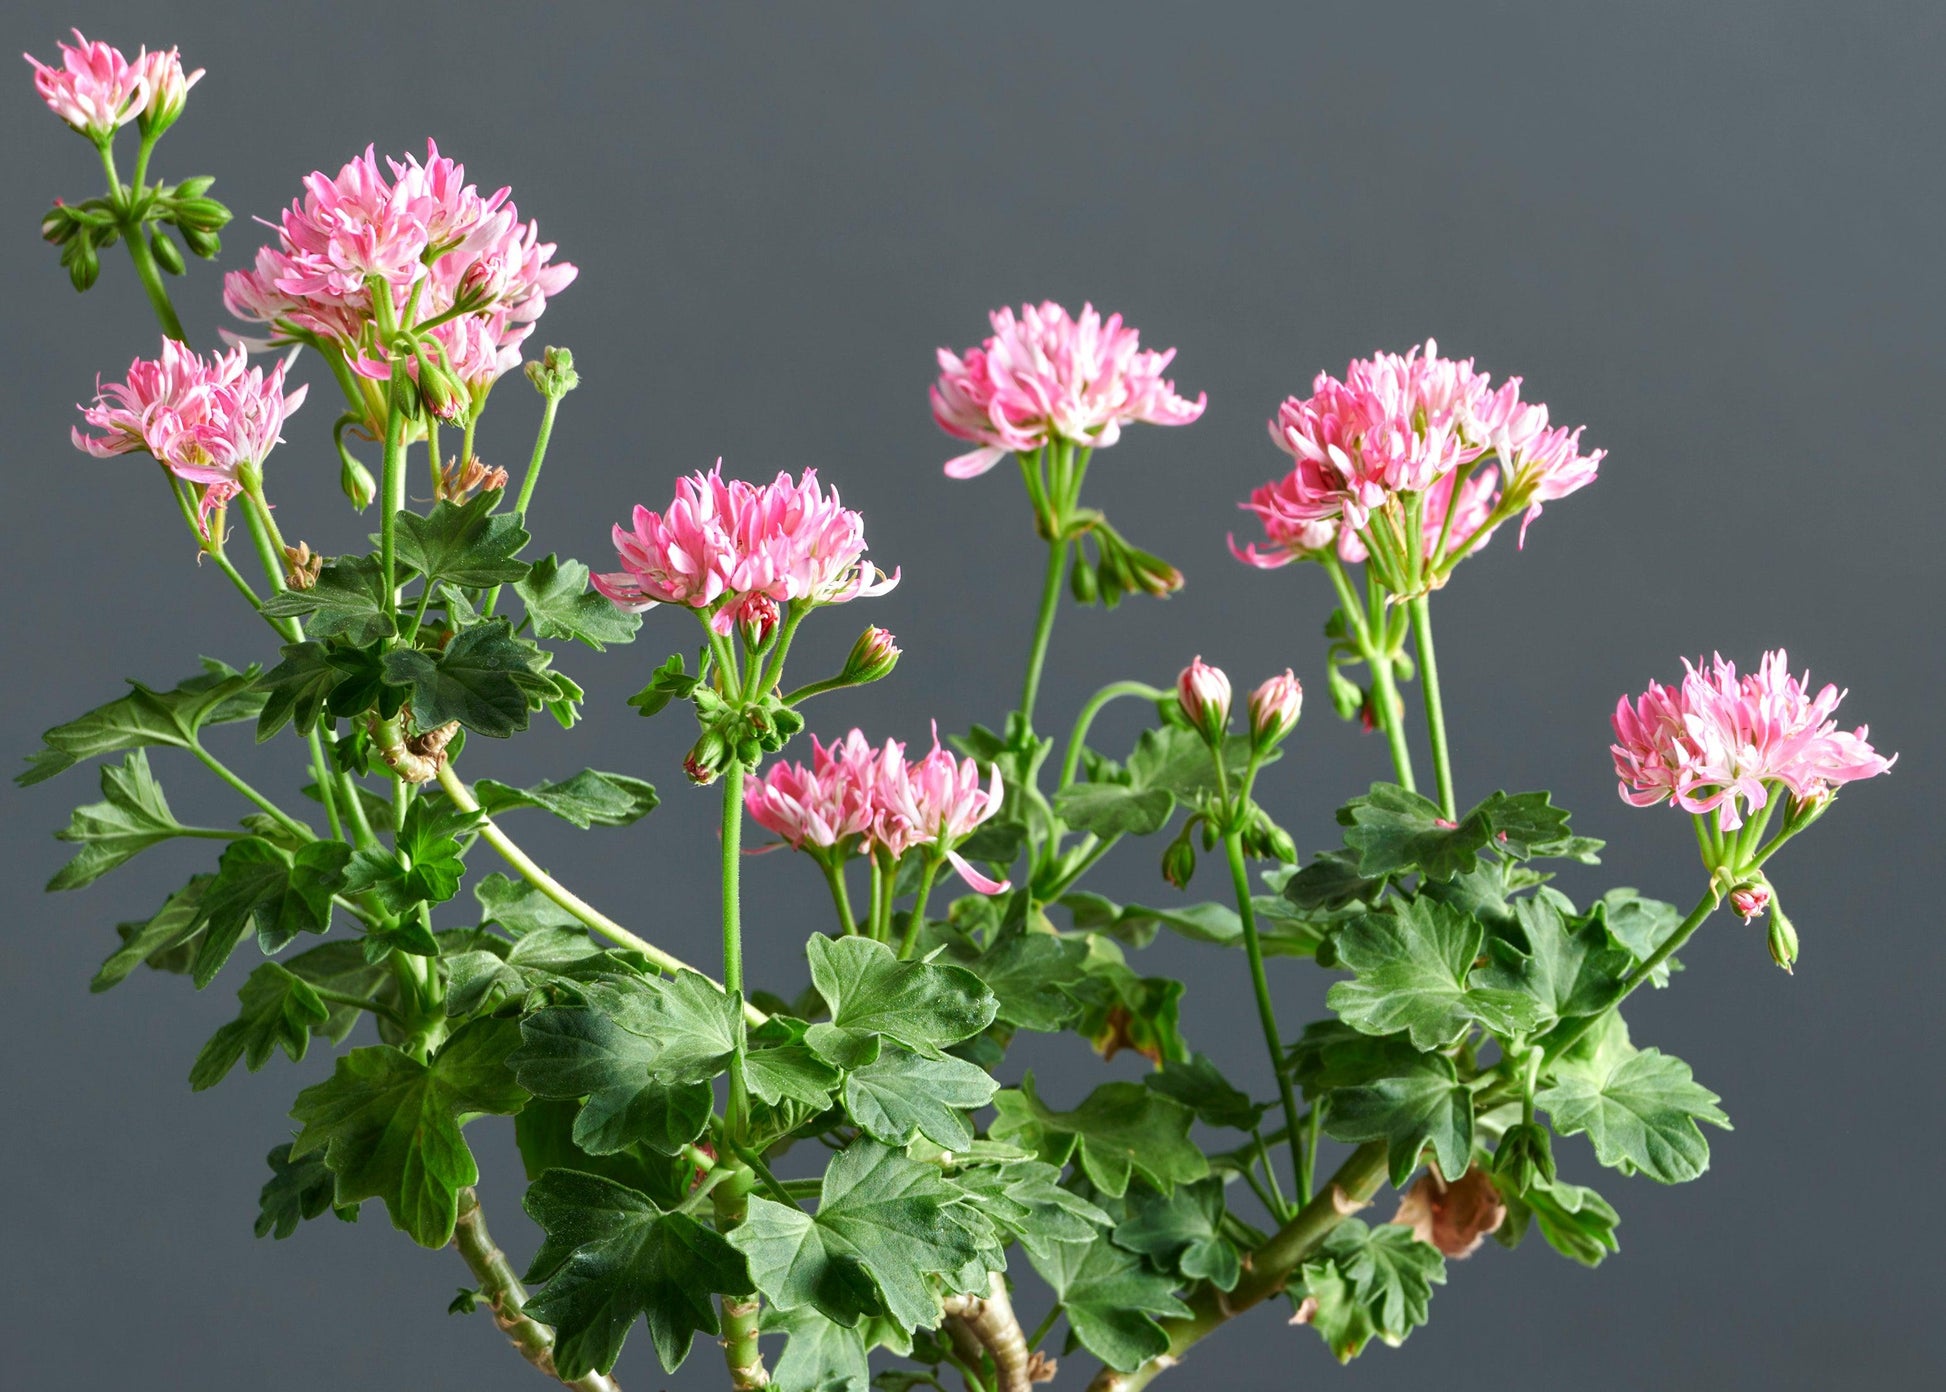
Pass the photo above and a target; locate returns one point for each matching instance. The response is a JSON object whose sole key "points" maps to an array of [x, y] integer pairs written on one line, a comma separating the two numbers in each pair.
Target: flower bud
{"points": [[441, 392], [167, 254], [554, 375], [83, 263], [1750, 901], [356, 480], [1179, 861], [707, 759], [1347, 696], [1783, 939], [203, 214], [873, 656], [1274, 708], [58, 224], [206, 245], [1082, 583], [1526, 1155], [1151, 574], [479, 284], [757, 619], [168, 90], [1203, 692]]}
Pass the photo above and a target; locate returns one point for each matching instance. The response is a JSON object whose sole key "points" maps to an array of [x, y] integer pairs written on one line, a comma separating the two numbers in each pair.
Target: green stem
{"points": [[1308, 1167], [1057, 567], [1561, 1043], [1435, 711], [1378, 661], [927, 872], [506, 1296], [391, 495], [560, 894], [325, 993], [1078, 740], [876, 908], [1280, 1209], [834, 875], [553, 404], [1266, 1014], [741, 1315], [277, 814], [739, 1104]]}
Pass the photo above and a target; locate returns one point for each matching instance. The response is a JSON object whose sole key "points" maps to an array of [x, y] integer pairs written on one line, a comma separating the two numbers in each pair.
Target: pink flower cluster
{"points": [[1722, 742], [741, 550], [854, 799], [201, 418], [422, 229], [98, 91], [1405, 425], [1046, 376]]}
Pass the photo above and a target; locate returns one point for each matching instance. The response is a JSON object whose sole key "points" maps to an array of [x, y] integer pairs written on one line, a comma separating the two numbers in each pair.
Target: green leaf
{"points": [[1182, 1232], [1109, 810], [1112, 1299], [1569, 971], [693, 1022], [819, 1356], [464, 543], [1136, 925], [882, 1226], [558, 600], [1422, 1105], [1199, 1086], [347, 602], [1392, 831], [790, 1072], [1371, 1282], [425, 867], [1642, 926], [281, 893], [1639, 1108], [544, 1132], [481, 679], [279, 1011], [670, 683], [587, 799], [389, 1126], [1332, 882], [147, 717], [611, 1257], [1120, 1129], [922, 1005], [166, 941], [296, 688], [1576, 1222], [1176, 759], [341, 966], [1331, 1054], [518, 906], [1032, 976], [297, 1191], [483, 979], [1529, 824], [1414, 963], [133, 816], [1025, 1198], [568, 1053], [899, 1095]]}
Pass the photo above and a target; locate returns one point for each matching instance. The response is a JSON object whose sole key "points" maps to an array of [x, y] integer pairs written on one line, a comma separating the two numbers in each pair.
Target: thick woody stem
{"points": [[987, 1324], [1270, 1268], [507, 1297]]}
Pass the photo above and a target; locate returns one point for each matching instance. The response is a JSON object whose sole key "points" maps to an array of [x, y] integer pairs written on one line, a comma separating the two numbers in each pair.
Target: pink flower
{"points": [[1724, 743], [1280, 506], [1542, 463], [823, 805], [1203, 692], [937, 801], [1274, 708], [168, 88], [1048, 375], [1750, 901], [404, 227], [95, 90], [202, 419], [721, 543]]}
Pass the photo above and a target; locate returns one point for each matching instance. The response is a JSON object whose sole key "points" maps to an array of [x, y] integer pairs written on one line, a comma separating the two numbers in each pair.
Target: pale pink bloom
{"points": [[1750, 901], [1203, 692], [936, 801], [721, 542], [1048, 375], [1543, 463], [168, 87], [96, 90], [1294, 535], [823, 805], [1275, 706], [1722, 743], [202, 419]]}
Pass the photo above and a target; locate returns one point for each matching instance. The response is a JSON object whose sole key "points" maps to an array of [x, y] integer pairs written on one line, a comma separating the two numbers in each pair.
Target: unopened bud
{"points": [[554, 375], [168, 90], [58, 224], [1274, 708], [707, 759], [301, 566], [1179, 861], [757, 619], [167, 254], [203, 214], [441, 392], [1783, 939], [1526, 1154], [1347, 696], [356, 480], [1151, 574], [1082, 583], [872, 657], [1203, 692], [1750, 901], [479, 284], [206, 245], [84, 265]]}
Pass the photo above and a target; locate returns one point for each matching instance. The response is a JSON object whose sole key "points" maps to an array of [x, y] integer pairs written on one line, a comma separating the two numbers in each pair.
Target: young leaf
{"points": [[280, 1011], [297, 1191], [1182, 1232], [612, 1257], [882, 1227], [558, 600], [482, 680], [1111, 1298], [1569, 972], [1642, 926], [1371, 1282], [148, 717], [166, 941], [1639, 1108], [518, 906], [296, 688], [481, 980], [133, 816], [923, 1005], [587, 799], [899, 1095], [1422, 1105], [1109, 810], [1394, 831], [389, 1126], [1414, 963], [1136, 925], [1120, 1129], [790, 1072], [818, 1356], [568, 1053], [1032, 977], [464, 543], [1578, 1223], [1199, 1086], [348, 601], [1025, 1199], [281, 893], [426, 865]]}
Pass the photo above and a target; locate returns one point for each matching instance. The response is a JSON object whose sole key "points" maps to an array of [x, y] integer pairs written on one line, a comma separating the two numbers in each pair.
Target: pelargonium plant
{"points": [[837, 1167]]}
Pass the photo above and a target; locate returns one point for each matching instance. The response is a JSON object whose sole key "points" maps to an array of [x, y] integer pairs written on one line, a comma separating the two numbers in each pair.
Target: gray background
{"points": [[1709, 231]]}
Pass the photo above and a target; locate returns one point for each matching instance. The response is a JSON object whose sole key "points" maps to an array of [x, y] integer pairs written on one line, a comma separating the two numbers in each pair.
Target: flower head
{"points": [[1724, 742], [96, 90], [168, 88], [1048, 375], [822, 805], [203, 419], [1203, 692], [1274, 708], [720, 545], [937, 801]]}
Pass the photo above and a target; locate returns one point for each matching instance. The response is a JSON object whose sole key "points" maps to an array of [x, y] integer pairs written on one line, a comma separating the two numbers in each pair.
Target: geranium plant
{"points": [[834, 1170]]}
